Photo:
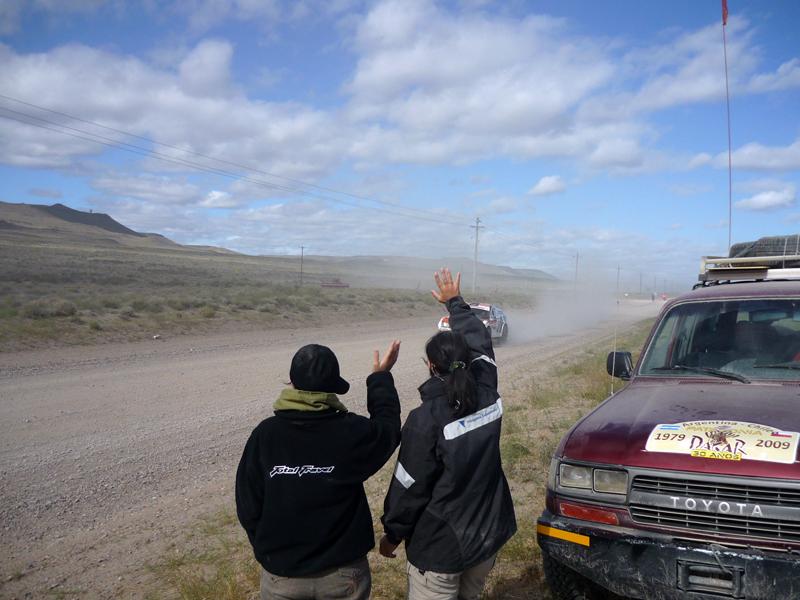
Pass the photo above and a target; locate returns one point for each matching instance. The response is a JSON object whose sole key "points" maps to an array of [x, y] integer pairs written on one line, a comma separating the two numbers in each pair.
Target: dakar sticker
{"points": [[725, 440]]}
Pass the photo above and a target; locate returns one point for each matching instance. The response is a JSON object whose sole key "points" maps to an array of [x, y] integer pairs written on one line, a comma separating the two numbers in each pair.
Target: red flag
{"points": [[724, 12]]}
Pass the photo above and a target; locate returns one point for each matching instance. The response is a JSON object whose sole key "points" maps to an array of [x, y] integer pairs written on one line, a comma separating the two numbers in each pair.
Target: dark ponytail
{"points": [[449, 358]]}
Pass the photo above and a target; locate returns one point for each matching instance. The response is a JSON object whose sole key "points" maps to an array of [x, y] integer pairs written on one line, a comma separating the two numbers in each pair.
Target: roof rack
{"points": [[714, 269]]}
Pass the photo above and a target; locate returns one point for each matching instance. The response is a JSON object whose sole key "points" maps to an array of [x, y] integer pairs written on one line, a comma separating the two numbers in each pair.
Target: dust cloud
{"points": [[569, 310]]}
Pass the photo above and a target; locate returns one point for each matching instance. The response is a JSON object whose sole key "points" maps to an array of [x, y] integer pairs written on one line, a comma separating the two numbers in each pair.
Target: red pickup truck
{"points": [[686, 483]]}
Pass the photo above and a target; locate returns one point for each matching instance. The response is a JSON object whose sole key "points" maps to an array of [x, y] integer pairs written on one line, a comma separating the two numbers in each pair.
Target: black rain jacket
{"points": [[299, 487], [449, 499]]}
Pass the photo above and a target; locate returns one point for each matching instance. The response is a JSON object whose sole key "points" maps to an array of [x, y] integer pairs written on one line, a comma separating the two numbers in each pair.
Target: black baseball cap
{"points": [[315, 369]]}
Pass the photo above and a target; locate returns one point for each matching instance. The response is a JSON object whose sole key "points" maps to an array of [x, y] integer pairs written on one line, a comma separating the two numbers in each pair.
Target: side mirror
{"points": [[620, 364]]}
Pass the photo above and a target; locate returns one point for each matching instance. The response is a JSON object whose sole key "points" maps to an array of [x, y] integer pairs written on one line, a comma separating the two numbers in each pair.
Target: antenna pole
{"points": [[728, 105]]}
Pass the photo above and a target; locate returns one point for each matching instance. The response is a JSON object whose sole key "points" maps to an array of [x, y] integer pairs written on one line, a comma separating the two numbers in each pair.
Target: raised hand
{"points": [[448, 288], [389, 358]]}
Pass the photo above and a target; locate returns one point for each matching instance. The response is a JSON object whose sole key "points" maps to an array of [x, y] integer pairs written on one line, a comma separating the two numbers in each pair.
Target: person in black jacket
{"points": [[449, 499], [299, 487]]}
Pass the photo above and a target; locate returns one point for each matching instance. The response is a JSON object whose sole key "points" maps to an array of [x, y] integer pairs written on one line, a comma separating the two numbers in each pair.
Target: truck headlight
{"points": [[575, 476], [610, 482]]}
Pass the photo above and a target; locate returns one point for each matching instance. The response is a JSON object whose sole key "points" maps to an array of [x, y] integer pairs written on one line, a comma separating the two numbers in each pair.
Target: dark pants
{"points": [[348, 582]]}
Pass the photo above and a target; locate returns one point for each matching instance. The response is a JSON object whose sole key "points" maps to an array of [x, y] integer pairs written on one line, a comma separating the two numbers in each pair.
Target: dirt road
{"points": [[106, 453]]}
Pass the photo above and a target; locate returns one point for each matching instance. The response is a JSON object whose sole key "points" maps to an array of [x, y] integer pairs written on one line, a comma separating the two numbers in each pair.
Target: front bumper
{"points": [[637, 564]]}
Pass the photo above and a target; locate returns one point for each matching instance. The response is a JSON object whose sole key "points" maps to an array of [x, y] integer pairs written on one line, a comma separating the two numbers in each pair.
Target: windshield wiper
{"points": [[785, 365], [706, 370]]}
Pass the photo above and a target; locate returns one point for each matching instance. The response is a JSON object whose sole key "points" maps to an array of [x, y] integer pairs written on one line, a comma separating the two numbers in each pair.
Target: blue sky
{"points": [[386, 127]]}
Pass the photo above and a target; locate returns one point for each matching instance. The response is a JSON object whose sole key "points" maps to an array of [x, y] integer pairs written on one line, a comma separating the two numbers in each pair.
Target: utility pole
{"points": [[640, 283], [302, 249], [477, 227], [577, 257]]}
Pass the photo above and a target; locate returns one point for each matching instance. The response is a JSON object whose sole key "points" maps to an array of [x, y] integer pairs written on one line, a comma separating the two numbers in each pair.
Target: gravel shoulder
{"points": [[108, 453]]}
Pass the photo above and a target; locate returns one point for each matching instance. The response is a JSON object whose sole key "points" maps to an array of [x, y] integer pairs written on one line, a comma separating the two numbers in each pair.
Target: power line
{"points": [[206, 156], [477, 227], [148, 153]]}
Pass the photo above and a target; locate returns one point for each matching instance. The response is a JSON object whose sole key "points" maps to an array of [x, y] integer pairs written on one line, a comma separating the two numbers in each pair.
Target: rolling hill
{"points": [[54, 233]]}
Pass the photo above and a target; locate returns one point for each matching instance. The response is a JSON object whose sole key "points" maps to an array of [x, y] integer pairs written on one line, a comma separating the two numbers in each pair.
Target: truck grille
{"points": [[779, 496], [724, 491], [726, 524]]}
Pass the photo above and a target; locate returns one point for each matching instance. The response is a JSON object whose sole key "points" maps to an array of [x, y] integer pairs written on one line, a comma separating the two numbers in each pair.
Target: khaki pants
{"points": [[466, 585], [348, 582]]}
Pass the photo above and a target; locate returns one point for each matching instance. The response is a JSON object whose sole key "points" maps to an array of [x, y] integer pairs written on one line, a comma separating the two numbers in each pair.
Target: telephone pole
{"points": [[302, 249], [477, 227], [575, 283]]}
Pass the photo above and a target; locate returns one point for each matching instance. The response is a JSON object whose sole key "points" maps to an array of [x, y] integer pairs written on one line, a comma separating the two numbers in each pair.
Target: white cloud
{"points": [[550, 184], [785, 77], [754, 156], [151, 188], [620, 152], [688, 68], [433, 86], [218, 199], [700, 160], [132, 95], [770, 199], [206, 69], [758, 157]]}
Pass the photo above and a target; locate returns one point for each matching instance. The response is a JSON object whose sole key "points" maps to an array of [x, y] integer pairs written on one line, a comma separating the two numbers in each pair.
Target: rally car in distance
{"points": [[491, 315]]}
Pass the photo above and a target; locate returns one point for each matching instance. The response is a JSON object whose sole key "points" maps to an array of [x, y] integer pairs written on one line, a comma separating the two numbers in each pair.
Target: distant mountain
{"points": [[92, 219], [58, 226]]}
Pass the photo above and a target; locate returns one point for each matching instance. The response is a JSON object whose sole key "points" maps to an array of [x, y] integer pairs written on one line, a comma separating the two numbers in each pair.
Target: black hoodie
{"points": [[299, 487], [449, 499]]}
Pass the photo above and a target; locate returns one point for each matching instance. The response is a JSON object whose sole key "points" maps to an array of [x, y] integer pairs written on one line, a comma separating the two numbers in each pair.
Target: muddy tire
{"points": [[566, 584]]}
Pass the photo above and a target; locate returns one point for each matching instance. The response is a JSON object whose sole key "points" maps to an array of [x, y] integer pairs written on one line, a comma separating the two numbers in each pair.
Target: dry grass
{"points": [[34, 315], [215, 560], [64, 295]]}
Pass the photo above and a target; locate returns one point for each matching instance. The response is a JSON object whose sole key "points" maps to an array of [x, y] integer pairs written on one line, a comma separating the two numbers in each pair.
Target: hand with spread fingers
{"points": [[448, 288], [389, 358]]}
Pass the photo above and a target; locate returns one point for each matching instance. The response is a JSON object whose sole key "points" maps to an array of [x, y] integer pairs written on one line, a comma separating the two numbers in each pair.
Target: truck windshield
{"points": [[753, 339]]}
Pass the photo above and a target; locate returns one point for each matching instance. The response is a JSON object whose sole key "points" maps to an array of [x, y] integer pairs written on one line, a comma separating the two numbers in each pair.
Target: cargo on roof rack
{"points": [[775, 245], [716, 269]]}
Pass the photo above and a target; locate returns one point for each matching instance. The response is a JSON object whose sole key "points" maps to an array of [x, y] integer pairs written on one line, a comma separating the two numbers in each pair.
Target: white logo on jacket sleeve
{"points": [[402, 476], [300, 470], [477, 419]]}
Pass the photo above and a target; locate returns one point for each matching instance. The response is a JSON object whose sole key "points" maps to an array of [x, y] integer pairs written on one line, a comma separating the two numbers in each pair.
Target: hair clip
{"points": [[457, 364]]}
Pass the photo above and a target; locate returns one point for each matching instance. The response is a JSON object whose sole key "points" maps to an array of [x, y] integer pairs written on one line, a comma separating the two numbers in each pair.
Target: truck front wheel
{"points": [[566, 584]]}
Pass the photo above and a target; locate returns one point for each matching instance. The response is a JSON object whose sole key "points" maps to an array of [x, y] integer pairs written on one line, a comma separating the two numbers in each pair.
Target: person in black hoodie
{"points": [[449, 499], [299, 486]]}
